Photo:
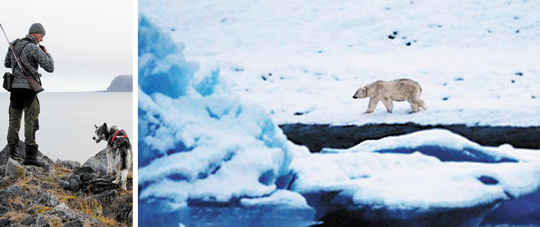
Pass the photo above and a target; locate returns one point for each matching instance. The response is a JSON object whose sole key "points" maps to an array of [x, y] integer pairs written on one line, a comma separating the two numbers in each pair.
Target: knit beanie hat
{"points": [[36, 28]]}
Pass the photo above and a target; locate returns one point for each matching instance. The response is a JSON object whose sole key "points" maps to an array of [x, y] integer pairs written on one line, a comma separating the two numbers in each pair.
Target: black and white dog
{"points": [[119, 147]]}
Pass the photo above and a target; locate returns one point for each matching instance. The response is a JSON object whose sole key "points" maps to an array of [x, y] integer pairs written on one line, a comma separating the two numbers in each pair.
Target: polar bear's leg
{"points": [[422, 104], [388, 104], [418, 103], [372, 105], [414, 106]]}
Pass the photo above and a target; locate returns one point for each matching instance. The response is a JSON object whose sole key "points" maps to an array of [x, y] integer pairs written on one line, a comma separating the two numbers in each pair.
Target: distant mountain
{"points": [[122, 83]]}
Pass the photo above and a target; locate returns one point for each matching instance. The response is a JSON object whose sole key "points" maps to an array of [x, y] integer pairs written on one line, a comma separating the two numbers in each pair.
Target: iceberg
{"points": [[198, 144]]}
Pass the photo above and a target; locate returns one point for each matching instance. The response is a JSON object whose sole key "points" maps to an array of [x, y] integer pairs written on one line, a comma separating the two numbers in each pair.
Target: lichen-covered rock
{"points": [[46, 199], [121, 208], [63, 212], [5, 195], [4, 210], [98, 186], [33, 182], [4, 222], [74, 223], [72, 165], [37, 220], [67, 215], [71, 182], [42, 221], [30, 220], [43, 185], [15, 189], [37, 171], [16, 206], [105, 198], [14, 169], [87, 177], [85, 169]]}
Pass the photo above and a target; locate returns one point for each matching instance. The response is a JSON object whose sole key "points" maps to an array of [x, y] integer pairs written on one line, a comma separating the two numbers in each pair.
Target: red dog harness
{"points": [[114, 136]]}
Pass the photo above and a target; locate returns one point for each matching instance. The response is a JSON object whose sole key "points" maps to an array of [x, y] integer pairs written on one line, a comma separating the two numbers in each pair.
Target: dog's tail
{"points": [[125, 156]]}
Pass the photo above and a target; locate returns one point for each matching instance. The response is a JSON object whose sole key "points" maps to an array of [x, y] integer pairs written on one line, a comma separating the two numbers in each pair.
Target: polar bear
{"points": [[388, 91]]}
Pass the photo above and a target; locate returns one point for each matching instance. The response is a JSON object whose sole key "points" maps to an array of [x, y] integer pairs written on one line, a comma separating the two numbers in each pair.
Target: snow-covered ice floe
{"points": [[431, 177], [209, 157]]}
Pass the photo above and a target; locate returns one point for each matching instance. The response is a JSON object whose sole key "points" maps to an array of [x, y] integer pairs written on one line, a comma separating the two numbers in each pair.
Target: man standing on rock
{"points": [[23, 98]]}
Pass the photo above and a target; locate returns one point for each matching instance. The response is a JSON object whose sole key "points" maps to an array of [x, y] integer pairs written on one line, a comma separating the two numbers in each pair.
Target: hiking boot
{"points": [[31, 156], [14, 153]]}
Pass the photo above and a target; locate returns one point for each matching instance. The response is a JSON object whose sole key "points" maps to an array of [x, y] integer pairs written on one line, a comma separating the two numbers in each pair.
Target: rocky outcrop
{"points": [[105, 198], [62, 193], [35, 206], [4, 154], [99, 162]]}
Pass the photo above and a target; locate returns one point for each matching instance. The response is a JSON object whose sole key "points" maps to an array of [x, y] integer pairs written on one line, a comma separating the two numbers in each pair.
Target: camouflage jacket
{"points": [[31, 56]]}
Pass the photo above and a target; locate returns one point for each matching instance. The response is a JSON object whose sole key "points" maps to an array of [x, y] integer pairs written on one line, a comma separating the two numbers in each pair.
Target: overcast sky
{"points": [[91, 41]]}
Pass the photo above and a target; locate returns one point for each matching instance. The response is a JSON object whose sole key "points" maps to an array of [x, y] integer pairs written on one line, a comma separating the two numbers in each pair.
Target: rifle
{"points": [[31, 79]]}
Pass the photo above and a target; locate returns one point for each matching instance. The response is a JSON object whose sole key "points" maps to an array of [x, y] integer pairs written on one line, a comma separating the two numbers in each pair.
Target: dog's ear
{"points": [[104, 125], [96, 126]]}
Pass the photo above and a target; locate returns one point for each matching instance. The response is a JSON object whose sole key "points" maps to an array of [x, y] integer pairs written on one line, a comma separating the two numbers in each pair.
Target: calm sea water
{"points": [[67, 121]]}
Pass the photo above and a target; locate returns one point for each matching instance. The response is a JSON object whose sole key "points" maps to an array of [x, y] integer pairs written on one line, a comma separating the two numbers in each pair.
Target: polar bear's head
{"points": [[360, 93]]}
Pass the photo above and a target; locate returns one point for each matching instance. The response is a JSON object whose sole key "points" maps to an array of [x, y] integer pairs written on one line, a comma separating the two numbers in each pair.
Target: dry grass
{"points": [[14, 216], [92, 207], [20, 173], [70, 200], [60, 171], [122, 193], [52, 180], [67, 199], [42, 209], [15, 200], [54, 221]]}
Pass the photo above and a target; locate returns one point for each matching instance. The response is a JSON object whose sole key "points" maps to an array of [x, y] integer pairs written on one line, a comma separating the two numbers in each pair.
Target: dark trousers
{"points": [[23, 101]]}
